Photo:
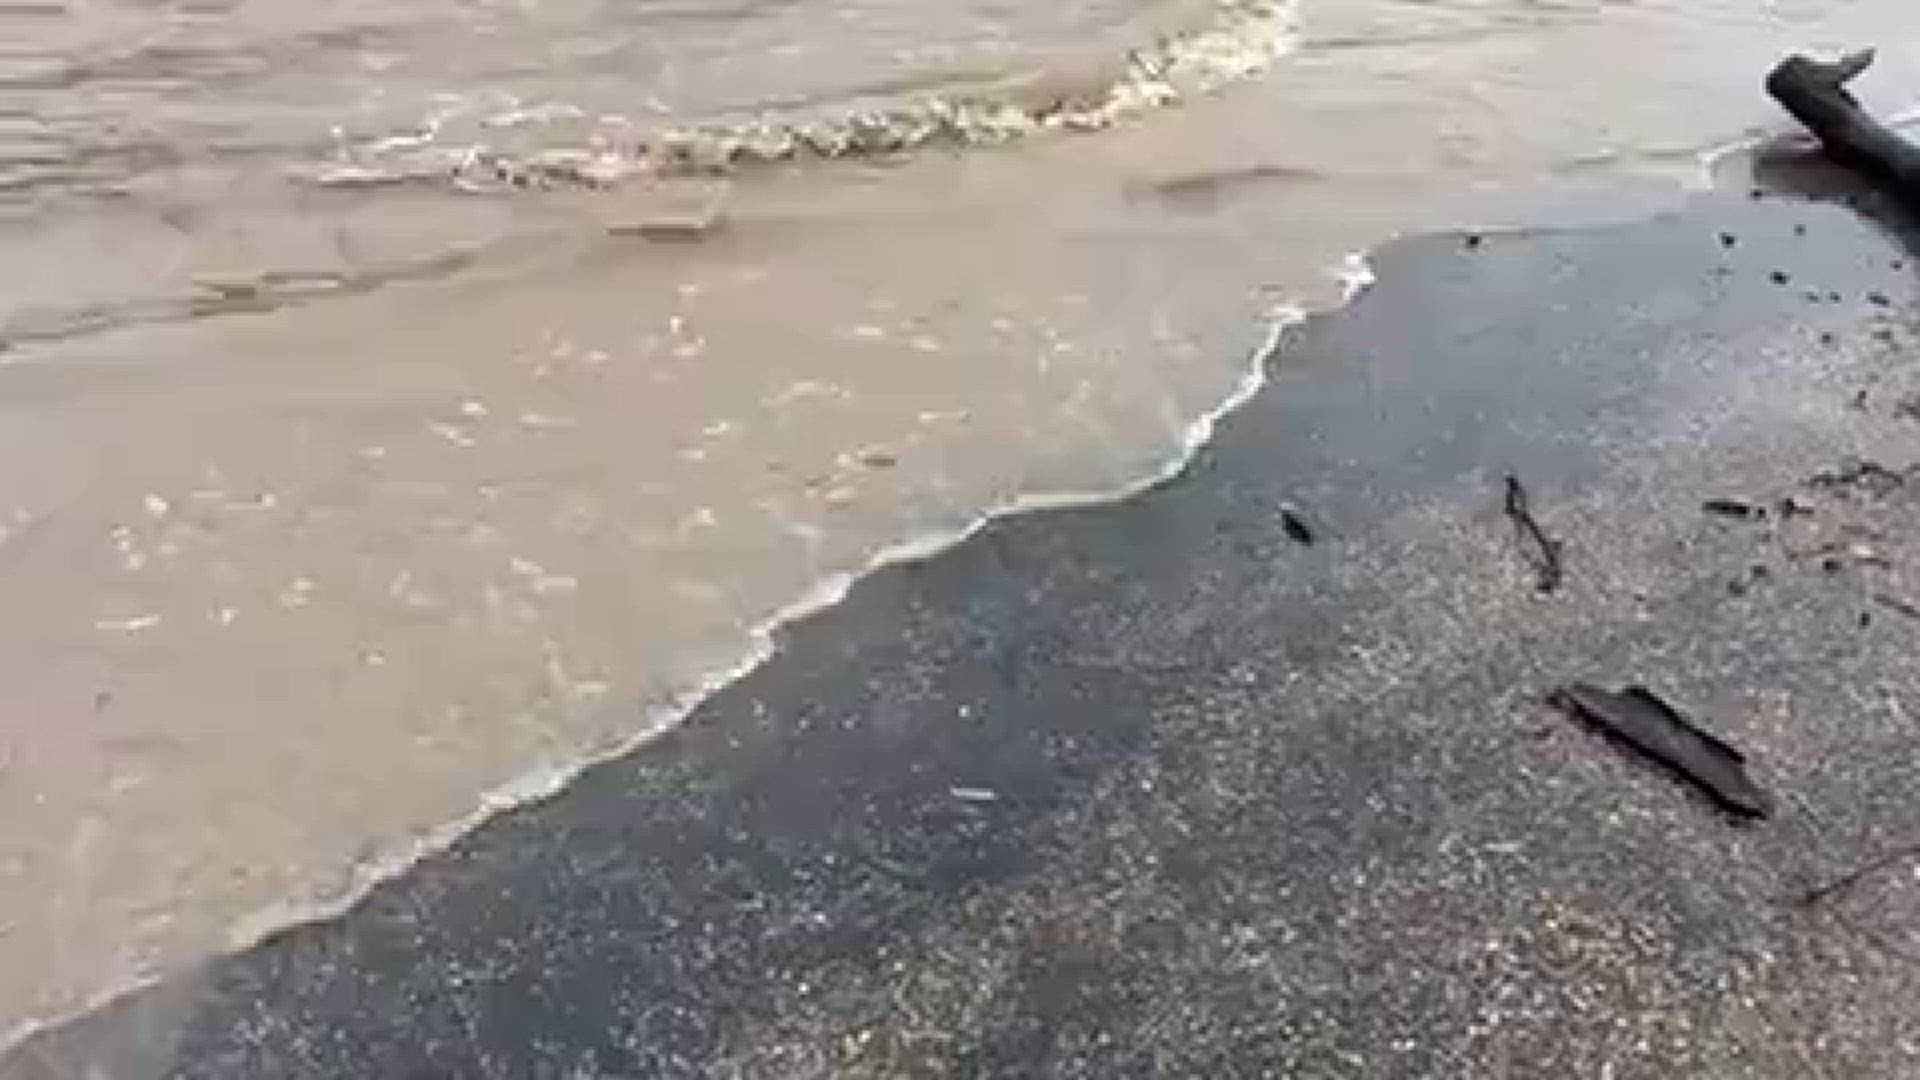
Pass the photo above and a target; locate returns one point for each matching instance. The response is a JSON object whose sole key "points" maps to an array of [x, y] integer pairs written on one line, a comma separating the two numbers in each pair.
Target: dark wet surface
{"points": [[1153, 789]]}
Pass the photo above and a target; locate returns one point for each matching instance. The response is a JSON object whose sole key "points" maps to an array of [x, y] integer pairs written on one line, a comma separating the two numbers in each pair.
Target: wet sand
{"points": [[1155, 789]]}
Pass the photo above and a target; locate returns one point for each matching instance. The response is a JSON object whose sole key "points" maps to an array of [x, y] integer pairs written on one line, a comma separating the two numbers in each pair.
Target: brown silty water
{"points": [[404, 403]]}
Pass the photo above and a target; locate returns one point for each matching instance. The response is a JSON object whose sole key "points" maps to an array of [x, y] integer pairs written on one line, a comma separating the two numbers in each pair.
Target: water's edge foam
{"points": [[824, 594], [551, 780]]}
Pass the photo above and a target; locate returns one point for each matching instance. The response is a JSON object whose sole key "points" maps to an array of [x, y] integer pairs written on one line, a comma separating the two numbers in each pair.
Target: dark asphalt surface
{"points": [[1153, 789]]}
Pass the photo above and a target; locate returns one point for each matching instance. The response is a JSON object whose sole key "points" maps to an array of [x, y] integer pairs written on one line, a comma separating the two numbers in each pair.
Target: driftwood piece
{"points": [[1639, 718], [1815, 92]]}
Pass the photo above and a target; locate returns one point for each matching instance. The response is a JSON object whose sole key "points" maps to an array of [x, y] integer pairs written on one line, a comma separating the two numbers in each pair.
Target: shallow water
{"points": [[328, 507]]}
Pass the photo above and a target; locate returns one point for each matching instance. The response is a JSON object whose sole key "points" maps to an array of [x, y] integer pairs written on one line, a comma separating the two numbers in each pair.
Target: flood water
{"points": [[404, 402]]}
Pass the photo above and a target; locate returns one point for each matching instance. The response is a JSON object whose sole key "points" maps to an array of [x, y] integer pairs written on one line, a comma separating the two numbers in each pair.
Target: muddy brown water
{"points": [[367, 459]]}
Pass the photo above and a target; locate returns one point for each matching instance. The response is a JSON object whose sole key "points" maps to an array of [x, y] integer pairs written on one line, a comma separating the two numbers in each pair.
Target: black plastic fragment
{"points": [[1295, 526], [1639, 718]]}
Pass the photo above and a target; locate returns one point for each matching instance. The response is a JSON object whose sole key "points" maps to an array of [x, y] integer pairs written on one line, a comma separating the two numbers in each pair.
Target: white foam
{"points": [[1356, 276], [1708, 161], [1242, 41]]}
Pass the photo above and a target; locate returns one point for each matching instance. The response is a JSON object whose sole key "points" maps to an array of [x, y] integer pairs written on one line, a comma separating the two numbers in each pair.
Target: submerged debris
{"points": [[670, 228], [1543, 551], [1639, 718], [677, 214]]}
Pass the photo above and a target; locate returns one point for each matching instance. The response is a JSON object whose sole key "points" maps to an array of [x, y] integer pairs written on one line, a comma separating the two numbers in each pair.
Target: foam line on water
{"points": [[1242, 41]]}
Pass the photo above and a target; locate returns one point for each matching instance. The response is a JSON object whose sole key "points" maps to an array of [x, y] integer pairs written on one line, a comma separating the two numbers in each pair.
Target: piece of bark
{"points": [[1814, 91], [1639, 718]]}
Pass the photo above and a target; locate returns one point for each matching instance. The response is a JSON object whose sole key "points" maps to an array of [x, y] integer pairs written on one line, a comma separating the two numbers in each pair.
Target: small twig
{"points": [[1873, 939], [1876, 939], [1858, 874], [1910, 610], [1546, 550], [1840, 886]]}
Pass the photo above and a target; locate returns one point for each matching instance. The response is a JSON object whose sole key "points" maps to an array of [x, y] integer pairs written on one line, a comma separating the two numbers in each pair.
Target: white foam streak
{"points": [[1356, 276], [1242, 41]]}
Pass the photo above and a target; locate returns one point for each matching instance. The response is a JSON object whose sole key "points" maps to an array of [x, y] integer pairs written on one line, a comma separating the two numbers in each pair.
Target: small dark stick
{"points": [[1544, 551], [1733, 508]]}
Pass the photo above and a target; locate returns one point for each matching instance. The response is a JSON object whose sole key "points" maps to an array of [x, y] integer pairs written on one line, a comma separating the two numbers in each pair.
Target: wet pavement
{"points": [[1158, 789]]}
